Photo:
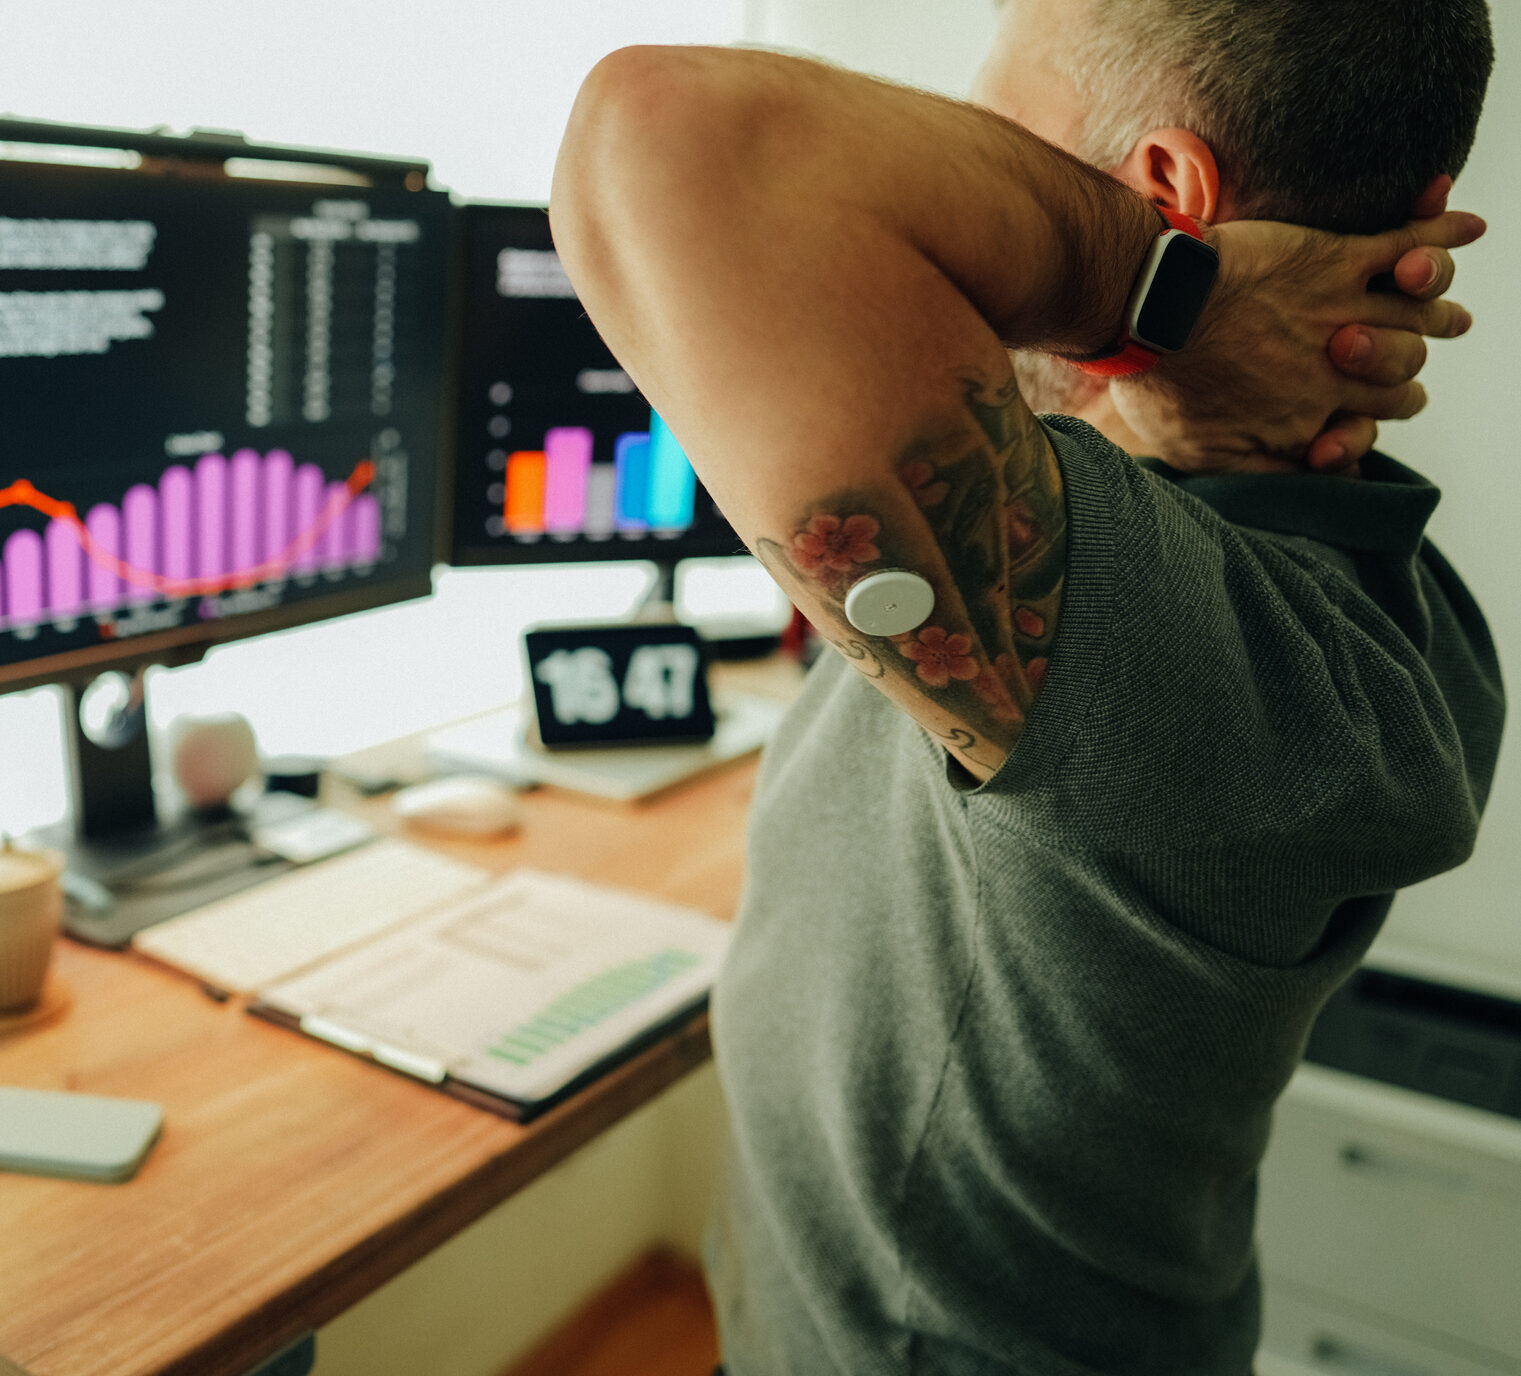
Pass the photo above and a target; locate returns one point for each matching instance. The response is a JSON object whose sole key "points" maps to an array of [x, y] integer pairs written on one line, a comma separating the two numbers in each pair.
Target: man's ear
{"points": [[1433, 200], [1176, 169]]}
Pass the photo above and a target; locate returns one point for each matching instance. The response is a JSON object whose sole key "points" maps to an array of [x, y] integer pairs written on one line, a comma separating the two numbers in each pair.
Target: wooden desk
{"points": [[293, 1179]]}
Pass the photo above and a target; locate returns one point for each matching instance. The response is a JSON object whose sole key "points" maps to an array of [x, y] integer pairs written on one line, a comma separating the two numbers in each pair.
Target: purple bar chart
{"points": [[568, 459], [221, 524]]}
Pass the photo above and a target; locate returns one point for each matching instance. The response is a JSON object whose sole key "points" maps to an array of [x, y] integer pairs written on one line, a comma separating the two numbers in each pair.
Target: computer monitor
{"points": [[557, 455], [221, 409]]}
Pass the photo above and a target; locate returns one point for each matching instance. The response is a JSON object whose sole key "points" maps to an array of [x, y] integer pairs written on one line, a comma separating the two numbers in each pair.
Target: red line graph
{"points": [[23, 493]]}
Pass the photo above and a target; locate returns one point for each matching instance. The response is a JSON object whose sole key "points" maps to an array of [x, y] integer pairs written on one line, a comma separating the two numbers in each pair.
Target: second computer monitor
{"points": [[557, 455]]}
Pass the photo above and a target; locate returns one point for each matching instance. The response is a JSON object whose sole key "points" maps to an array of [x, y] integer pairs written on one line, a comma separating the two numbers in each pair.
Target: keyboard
{"points": [[272, 931]]}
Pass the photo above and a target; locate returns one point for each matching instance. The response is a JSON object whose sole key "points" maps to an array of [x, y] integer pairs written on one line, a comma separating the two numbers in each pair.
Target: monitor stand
{"points": [[658, 605], [726, 638], [129, 861]]}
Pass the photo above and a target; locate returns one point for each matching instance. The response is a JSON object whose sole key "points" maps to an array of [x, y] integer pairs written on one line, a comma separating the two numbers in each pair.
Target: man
{"points": [[1051, 871]]}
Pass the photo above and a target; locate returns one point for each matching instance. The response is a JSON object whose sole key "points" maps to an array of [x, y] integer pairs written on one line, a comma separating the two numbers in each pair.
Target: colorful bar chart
{"points": [[224, 523], [559, 490]]}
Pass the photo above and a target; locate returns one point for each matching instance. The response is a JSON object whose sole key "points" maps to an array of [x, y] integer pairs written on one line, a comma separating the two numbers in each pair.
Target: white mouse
{"points": [[467, 804]]}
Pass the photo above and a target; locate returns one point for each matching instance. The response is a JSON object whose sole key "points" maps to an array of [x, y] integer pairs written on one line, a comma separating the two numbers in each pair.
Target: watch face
{"points": [[1180, 284]]}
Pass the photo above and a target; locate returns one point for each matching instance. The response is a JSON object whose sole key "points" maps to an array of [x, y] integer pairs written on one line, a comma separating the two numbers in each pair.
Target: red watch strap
{"points": [[1178, 220], [1127, 358], [1131, 359]]}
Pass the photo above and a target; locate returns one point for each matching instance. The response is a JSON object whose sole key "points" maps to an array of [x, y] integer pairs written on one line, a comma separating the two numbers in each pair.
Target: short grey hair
{"points": [[1333, 113]]}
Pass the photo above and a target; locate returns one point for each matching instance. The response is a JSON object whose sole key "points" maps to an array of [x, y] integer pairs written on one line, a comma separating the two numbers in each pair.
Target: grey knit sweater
{"points": [[1000, 1060]]}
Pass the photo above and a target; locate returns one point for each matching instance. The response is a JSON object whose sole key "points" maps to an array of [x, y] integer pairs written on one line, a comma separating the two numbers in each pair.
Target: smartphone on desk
{"points": [[77, 1136]]}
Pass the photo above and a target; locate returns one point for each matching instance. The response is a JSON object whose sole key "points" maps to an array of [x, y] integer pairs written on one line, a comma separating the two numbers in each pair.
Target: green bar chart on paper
{"points": [[517, 988], [589, 1003]]}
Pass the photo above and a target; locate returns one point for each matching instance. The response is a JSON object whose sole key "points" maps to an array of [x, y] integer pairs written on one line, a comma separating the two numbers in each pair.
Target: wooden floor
{"points": [[653, 1320]]}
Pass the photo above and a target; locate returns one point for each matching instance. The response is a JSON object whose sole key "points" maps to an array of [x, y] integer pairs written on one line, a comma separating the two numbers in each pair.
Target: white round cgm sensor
{"points": [[889, 603]]}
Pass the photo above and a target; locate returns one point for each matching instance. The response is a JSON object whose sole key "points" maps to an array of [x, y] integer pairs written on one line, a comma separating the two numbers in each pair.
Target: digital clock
{"points": [[619, 685]]}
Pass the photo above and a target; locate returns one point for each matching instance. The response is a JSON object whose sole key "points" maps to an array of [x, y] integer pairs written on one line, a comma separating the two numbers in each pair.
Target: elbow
{"points": [[644, 122], [604, 121], [617, 150], [659, 143], [614, 111]]}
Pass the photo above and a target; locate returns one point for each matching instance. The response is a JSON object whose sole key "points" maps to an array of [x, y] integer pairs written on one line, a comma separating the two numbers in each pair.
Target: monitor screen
{"points": [[220, 408], [557, 456]]}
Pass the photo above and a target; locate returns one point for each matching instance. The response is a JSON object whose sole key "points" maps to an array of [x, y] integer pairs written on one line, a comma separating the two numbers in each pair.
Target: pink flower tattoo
{"points": [[938, 657], [1030, 622], [827, 542], [919, 478]]}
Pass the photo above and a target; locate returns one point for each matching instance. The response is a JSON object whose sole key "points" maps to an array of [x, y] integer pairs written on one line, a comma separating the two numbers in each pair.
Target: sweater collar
{"points": [[1383, 512]]}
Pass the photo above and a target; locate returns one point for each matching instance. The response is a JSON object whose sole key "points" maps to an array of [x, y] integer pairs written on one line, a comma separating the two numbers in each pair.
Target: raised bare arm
{"points": [[814, 277], [825, 334]]}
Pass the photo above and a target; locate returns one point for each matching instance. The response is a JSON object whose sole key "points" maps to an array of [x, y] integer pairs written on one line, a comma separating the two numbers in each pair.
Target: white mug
{"points": [[31, 912]]}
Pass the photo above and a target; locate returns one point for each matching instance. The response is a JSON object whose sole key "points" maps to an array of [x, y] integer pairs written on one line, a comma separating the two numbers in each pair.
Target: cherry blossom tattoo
{"points": [[978, 510]]}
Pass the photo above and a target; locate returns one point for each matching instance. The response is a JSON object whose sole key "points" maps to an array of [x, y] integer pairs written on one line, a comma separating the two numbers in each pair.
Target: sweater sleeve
{"points": [[1240, 724]]}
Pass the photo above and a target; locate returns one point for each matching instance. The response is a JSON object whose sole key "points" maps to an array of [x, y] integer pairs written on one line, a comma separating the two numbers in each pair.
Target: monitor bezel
{"points": [[186, 644]]}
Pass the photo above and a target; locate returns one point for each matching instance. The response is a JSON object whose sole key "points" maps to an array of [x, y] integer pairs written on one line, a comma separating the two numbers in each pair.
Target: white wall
{"points": [[480, 87], [1464, 441], [935, 44]]}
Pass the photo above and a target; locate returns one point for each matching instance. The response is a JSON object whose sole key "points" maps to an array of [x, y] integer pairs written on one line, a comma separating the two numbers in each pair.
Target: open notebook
{"points": [[513, 994]]}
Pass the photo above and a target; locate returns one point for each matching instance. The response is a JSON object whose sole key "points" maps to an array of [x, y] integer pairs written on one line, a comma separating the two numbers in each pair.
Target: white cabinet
{"points": [[1325, 1339], [1389, 1225]]}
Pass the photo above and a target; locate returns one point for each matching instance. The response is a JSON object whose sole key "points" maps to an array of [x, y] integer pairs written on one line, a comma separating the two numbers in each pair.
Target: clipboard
{"points": [[513, 996]]}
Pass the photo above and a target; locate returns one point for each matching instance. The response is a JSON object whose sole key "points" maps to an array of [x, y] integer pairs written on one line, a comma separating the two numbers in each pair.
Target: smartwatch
{"points": [[1169, 293]]}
